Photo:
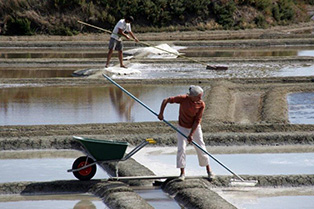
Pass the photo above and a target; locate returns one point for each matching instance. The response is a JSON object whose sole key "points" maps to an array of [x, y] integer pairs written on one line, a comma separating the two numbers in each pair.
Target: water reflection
{"points": [[84, 204], [190, 52], [36, 73], [196, 52], [81, 105], [301, 107], [157, 198], [121, 102], [237, 53], [52, 54], [78, 201]]}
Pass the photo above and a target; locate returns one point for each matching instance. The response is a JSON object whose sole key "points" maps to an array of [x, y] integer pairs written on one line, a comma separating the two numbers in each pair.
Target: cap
{"points": [[129, 18], [195, 90]]}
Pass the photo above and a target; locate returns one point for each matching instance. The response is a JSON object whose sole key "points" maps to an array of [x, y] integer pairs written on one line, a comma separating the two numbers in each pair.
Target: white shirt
{"points": [[120, 25]]}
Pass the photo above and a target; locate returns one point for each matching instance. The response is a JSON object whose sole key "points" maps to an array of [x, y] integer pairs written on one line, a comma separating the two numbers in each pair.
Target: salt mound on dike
{"points": [[118, 71], [141, 52], [153, 52]]}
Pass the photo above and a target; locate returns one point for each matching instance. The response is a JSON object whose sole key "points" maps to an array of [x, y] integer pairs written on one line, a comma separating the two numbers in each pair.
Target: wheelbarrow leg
{"points": [[117, 169]]}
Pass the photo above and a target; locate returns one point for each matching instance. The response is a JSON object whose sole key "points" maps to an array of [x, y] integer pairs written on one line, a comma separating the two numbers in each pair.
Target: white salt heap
{"points": [[154, 52]]}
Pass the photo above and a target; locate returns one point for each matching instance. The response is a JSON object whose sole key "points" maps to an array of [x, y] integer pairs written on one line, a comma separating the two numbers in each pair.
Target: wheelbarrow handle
{"points": [[138, 148]]}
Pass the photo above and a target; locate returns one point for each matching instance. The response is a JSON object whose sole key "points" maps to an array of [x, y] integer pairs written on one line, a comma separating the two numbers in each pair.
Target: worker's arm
{"points": [[162, 108], [193, 129], [121, 32], [133, 36]]}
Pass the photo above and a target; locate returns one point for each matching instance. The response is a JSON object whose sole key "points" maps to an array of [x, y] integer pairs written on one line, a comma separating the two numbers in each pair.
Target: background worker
{"points": [[190, 116], [122, 28]]}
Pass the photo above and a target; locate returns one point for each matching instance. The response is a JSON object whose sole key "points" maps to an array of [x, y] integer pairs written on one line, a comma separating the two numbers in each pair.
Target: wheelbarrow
{"points": [[101, 152]]}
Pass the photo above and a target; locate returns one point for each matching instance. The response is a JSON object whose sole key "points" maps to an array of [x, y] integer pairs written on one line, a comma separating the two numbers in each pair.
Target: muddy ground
{"points": [[242, 115]]}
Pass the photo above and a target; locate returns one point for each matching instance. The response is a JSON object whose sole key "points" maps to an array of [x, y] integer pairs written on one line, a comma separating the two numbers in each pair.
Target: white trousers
{"points": [[203, 158]]}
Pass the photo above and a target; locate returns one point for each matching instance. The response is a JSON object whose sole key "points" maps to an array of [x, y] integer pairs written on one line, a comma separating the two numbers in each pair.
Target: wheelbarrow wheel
{"points": [[87, 173]]}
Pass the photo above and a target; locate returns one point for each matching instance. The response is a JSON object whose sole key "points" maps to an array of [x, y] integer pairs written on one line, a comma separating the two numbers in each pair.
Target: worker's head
{"points": [[195, 93], [129, 19]]}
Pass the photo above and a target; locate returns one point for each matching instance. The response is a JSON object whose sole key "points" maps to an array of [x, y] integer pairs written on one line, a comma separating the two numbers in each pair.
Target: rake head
{"points": [[244, 183]]}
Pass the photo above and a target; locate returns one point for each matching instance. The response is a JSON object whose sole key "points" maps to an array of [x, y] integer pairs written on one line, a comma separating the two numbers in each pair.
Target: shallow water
{"points": [[81, 105], [189, 52], [52, 54], [308, 53], [157, 71], [205, 52], [51, 201], [55, 169], [287, 202], [157, 198], [269, 198], [301, 108], [296, 71], [178, 70], [15, 170], [36, 73], [235, 70], [171, 70], [163, 162]]}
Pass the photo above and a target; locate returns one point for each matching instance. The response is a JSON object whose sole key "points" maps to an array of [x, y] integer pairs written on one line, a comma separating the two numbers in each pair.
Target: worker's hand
{"points": [[190, 139], [127, 37], [136, 40], [160, 116]]}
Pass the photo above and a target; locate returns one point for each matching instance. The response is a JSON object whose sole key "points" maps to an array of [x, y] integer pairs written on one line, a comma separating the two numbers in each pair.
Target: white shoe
{"points": [[182, 177], [211, 176]]}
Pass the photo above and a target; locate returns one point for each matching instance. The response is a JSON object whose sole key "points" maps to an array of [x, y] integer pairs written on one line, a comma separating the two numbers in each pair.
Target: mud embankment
{"points": [[192, 193], [114, 194]]}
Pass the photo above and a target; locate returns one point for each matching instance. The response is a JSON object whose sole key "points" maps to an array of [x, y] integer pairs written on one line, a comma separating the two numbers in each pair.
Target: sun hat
{"points": [[195, 90]]}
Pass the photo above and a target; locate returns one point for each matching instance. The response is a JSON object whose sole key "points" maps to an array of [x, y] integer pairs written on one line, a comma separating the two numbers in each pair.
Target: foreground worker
{"points": [[190, 115]]}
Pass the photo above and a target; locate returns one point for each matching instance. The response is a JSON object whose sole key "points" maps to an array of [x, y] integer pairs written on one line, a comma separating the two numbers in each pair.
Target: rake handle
{"points": [[172, 126]]}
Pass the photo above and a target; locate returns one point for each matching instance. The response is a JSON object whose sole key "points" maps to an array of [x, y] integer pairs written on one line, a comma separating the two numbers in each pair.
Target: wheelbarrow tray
{"points": [[103, 150]]}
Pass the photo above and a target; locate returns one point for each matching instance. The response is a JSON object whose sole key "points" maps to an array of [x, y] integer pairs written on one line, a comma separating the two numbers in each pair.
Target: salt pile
{"points": [[153, 52]]}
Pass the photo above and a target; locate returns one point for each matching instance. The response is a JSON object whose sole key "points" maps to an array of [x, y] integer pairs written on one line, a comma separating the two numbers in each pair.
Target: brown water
{"points": [[189, 52], [155, 71], [81, 105], [36, 73], [244, 53], [97, 104], [54, 201], [52, 54]]}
